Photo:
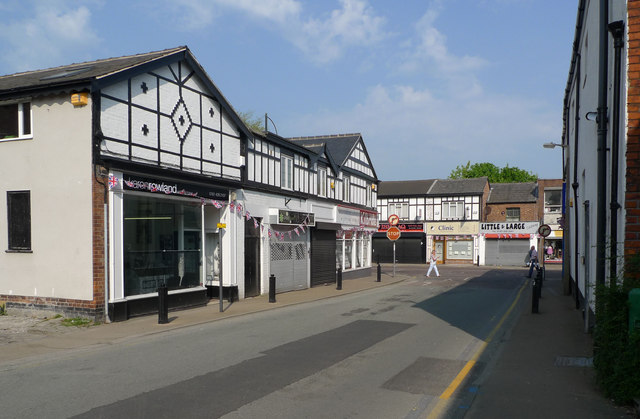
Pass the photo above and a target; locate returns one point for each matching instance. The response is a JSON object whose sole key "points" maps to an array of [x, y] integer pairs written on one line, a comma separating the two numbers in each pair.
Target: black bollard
{"points": [[163, 304], [534, 296], [339, 279], [379, 273], [272, 288]]}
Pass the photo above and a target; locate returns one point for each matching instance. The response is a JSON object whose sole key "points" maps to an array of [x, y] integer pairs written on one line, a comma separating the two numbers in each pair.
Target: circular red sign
{"points": [[393, 233]]}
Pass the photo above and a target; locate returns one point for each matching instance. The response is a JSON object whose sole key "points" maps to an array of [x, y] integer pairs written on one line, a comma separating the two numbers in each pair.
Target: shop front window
{"points": [[348, 253], [462, 249], [162, 241]]}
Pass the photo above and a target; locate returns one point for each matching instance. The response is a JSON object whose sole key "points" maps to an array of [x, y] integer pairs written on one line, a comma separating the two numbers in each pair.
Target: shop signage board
{"points": [[452, 227], [170, 187], [520, 227], [295, 217], [408, 227], [393, 233]]}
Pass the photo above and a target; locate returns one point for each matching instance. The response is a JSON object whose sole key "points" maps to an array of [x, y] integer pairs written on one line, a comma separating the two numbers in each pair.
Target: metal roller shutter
{"points": [[323, 257], [289, 262], [506, 252]]}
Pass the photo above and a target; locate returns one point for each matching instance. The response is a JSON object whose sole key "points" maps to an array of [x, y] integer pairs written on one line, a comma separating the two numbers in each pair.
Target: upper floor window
{"points": [[15, 121], [552, 200], [286, 172], [347, 189], [453, 210], [401, 209], [19, 217], [513, 214], [322, 182]]}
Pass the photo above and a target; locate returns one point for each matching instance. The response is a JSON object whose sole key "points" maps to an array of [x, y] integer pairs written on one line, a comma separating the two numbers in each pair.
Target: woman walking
{"points": [[433, 260]]}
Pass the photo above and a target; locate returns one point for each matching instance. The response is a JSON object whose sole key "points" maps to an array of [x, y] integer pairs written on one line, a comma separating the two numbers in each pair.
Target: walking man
{"points": [[433, 260], [533, 257]]}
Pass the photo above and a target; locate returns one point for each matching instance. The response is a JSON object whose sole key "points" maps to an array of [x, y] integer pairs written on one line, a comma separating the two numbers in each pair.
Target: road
{"points": [[409, 350]]}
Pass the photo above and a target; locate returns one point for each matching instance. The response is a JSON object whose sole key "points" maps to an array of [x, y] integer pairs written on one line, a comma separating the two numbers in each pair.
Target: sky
{"points": [[430, 84]]}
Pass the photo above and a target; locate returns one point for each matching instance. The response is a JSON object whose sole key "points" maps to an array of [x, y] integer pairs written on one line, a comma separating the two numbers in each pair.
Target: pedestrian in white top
{"points": [[433, 260]]}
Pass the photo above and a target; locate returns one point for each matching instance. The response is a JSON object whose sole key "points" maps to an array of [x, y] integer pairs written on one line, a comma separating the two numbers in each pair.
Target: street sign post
{"points": [[393, 234], [393, 219]]}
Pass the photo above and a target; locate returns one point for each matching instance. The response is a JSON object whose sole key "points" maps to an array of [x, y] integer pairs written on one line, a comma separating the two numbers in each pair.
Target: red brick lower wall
{"points": [[632, 175]]}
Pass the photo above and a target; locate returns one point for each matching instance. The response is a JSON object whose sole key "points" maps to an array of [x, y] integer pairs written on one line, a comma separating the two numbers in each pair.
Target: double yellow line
{"points": [[443, 401]]}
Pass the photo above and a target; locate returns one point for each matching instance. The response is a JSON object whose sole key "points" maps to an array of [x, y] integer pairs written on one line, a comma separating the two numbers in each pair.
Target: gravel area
{"points": [[18, 327]]}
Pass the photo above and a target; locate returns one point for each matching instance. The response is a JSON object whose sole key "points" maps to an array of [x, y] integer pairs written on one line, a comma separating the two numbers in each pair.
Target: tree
{"points": [[251, 121], [494, 173]]}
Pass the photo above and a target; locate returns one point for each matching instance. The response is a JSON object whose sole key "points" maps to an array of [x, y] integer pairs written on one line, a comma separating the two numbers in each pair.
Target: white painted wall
{"points": [[56, 167]]}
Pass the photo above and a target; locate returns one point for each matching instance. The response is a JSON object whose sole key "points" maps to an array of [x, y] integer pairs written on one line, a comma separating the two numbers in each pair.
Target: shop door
{"points": [[323, 257], [251, 260], [440, 251]]}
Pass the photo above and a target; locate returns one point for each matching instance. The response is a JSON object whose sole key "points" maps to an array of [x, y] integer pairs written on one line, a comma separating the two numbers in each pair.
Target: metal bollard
{"points": [[379, 273], [534, 296], [339, 279], [272, 288], [163, 304]]}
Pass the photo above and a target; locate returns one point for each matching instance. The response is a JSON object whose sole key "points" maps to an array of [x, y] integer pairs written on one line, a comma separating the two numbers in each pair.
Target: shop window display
{"points": [[162, 241]]}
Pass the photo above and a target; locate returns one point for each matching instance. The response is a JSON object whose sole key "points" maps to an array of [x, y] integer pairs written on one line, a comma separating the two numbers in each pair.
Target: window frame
{"points": [[286, 172], [14, 229], [322, 182], [24, 120], [459, 207], [346, 189], [512, 218]]}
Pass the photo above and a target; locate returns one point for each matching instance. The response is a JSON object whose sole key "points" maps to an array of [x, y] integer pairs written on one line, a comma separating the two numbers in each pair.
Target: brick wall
{"points": [[498, 212], [632, 188]]}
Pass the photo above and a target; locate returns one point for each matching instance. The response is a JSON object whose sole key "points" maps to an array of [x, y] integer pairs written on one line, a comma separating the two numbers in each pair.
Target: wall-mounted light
{"points": [[373, 186], [591, 116], [332, 185]]}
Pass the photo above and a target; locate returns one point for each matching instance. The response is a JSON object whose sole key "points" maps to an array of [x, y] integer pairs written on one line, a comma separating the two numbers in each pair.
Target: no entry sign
{"points": [[393, 233]]}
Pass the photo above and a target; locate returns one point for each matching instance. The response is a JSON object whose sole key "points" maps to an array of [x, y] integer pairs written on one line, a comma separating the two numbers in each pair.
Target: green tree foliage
{"points": [[494, 173], [251, 121]]}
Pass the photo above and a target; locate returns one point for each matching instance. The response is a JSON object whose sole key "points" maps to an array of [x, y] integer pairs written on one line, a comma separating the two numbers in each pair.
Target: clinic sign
{"points": [[519, 227], [452, 227]]}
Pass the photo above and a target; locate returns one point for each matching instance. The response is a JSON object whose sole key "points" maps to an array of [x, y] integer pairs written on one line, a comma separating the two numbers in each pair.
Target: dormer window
{"points": [[15, 121]]}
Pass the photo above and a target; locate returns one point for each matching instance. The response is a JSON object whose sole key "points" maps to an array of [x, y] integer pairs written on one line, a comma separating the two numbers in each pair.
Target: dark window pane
{"points": [[19, 215], [26, 118], [9, 121]]}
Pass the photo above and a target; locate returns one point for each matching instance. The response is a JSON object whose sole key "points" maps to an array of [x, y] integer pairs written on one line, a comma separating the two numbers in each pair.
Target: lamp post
{"points": [[565, 274]]}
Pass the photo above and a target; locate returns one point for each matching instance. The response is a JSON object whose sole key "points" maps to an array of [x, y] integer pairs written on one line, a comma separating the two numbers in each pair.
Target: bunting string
{"points": [[240, 212]]}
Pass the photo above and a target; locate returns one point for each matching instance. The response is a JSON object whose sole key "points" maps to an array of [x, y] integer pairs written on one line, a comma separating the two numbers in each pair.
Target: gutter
{"points": [[602, 120], [617, 30]]}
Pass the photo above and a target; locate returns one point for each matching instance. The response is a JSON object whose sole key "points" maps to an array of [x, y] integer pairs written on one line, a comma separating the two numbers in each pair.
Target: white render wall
{"points": [[56, 167]]}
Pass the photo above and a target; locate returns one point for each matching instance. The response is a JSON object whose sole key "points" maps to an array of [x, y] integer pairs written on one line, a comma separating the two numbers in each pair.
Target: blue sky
{"points": [[430, 84]]}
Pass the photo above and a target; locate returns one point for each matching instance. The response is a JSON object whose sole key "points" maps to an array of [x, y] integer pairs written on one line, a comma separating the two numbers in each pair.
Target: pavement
{"points": [[543, 368]]}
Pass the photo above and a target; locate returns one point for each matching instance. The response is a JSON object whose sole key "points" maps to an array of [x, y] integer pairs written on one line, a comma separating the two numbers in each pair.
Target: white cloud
{"points": [[430, 52], [46, 36], [355, 24]]}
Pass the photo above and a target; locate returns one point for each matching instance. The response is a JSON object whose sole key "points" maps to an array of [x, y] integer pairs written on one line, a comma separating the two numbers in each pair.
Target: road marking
{"points": [[443, 400]]}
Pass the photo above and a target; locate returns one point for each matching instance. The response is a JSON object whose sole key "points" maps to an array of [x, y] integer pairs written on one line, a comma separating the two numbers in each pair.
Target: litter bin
{"points": [[634, 309]]}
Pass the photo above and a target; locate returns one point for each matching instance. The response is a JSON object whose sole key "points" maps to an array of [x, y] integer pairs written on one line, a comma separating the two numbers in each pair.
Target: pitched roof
{"points": [[339, 145], [80, 72], [110, 70], [473, 186], [404, 187], [513, 193]]}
